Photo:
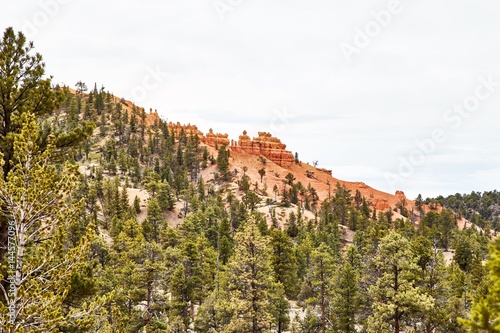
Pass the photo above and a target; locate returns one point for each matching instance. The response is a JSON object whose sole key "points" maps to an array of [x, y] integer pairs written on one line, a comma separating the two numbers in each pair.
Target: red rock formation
{"points": [[380, 204], [189, 129], [400, 195], [329, 172], [212, 139], [266, 145], [152, 118]]}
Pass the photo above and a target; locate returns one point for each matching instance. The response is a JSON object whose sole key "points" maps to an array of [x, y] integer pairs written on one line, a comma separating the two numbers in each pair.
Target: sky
{"points": [[399, 94]]}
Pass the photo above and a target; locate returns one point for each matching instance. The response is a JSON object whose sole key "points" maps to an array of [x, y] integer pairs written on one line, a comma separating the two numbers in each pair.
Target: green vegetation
{"points": [[482, 209], [109, 226]]}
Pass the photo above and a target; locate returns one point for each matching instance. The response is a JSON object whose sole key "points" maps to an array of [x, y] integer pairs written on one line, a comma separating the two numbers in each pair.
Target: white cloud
{"points": [[230, 75]]}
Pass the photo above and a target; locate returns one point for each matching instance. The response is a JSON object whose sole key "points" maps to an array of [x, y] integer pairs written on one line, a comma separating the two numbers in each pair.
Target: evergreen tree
{"points": [[215, 312], [251, 200], [341, 201], [262, 173], [280, 307], [249, 282], [154, 222], [223, 163], [123, 203], [39, 264], [397, 298], [135, 280], [165, 196], [419, 203], [441, 317], [317, 289], [284, 262], [244, 184], [226, 245], [137, 204], [185, 283], [464, 252], [485, 314], [347, 298], [22, 89]]}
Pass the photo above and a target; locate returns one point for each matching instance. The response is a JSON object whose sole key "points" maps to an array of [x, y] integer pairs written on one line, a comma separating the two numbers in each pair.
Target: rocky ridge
{"points": [[247, 151], [266, 145]]}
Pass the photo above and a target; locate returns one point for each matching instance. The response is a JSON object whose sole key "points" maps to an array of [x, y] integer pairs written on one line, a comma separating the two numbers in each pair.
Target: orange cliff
{"points": [[189, 130], [216, 139], [152, 118], [210, 139], [266, 145], [325, 184]]}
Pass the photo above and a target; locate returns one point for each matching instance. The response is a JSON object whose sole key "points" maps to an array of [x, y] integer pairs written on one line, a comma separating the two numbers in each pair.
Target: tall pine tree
{"points": [[250, 278], [39, 264], [485, 314], [396, 297]]}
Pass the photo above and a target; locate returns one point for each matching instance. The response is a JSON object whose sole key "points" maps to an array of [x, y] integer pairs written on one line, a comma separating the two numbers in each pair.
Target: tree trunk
{"points": [[255, 327], [3, 235], [323, 316], [396, 311], [396, 324], [18, 276], [148, 307], [7, 155]]}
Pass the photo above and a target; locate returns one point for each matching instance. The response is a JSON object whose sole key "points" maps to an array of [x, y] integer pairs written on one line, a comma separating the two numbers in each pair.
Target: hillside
{"points": [[246, 157], [174, 176], [115, 221]]}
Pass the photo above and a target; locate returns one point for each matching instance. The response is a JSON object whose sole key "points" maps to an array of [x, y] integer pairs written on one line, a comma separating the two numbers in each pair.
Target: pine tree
{"points": [[396, 297], [280, 307], [165, 196], [40, 266], [216, 311], [112, 166], [122, 161], [137, 204], [192, 277], [249, 282], [419, 203], [485, 314], [317, 289], [433, 283], [135, 278], [22, 89], [347, 298], [154, 222], [223, 163], [262, 173], [464, 252], [341, 201], [284, 262], [226, 245], [124, 206], [201, 188]]}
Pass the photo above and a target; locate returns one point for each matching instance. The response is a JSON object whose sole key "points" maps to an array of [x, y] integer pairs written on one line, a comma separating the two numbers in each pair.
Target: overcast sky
{"points": [[397, 94]]}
